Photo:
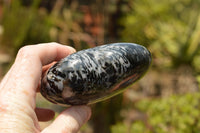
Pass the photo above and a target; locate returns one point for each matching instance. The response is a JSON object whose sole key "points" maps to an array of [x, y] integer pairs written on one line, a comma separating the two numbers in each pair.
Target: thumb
{"points": [[70, 120]]}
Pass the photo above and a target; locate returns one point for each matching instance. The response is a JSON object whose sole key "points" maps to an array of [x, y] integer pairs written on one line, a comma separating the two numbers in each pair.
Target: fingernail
{"points": [[72, 50], [86, 112]]}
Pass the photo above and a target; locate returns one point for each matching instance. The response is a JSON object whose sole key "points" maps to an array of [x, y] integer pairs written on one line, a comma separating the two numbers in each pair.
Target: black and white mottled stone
{"points": [[95, 74]]}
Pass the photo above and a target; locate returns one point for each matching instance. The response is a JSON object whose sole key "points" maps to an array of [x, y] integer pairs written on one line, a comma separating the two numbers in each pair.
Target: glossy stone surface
{"points": [[95, 74]]}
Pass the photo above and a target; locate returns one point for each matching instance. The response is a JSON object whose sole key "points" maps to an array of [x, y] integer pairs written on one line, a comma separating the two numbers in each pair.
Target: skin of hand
{"points": [[18, 112]]}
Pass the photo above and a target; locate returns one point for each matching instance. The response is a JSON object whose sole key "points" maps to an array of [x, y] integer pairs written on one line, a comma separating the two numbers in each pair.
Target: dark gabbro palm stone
{"points": [[95, 74]]}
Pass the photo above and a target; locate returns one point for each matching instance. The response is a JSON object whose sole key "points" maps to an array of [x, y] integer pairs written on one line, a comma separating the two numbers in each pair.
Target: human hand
{"points": [[18, 112]]}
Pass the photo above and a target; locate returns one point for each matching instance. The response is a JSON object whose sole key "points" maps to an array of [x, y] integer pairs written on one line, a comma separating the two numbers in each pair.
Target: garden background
{"points": [[165, 100]]}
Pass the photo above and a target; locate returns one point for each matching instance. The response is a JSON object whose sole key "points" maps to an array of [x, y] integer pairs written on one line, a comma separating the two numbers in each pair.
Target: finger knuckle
{"points": [[25, 51]]}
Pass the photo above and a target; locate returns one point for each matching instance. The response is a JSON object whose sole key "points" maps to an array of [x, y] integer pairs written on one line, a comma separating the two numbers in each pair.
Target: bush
{"points": [[170, 28], [176, 114]]}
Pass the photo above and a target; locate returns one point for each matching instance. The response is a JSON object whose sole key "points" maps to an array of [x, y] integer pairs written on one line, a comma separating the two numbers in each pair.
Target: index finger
{"points": [[26, 71], [46, 52]]}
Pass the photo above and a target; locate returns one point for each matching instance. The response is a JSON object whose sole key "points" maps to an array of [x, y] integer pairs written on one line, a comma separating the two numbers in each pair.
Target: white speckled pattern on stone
{"points": [[94, 74]]}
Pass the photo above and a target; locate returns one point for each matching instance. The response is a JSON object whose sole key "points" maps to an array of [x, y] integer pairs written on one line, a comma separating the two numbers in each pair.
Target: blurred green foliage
{"points": [[25, 25], [22, 25], [171, 29], [136, 127], [176, 114]]}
